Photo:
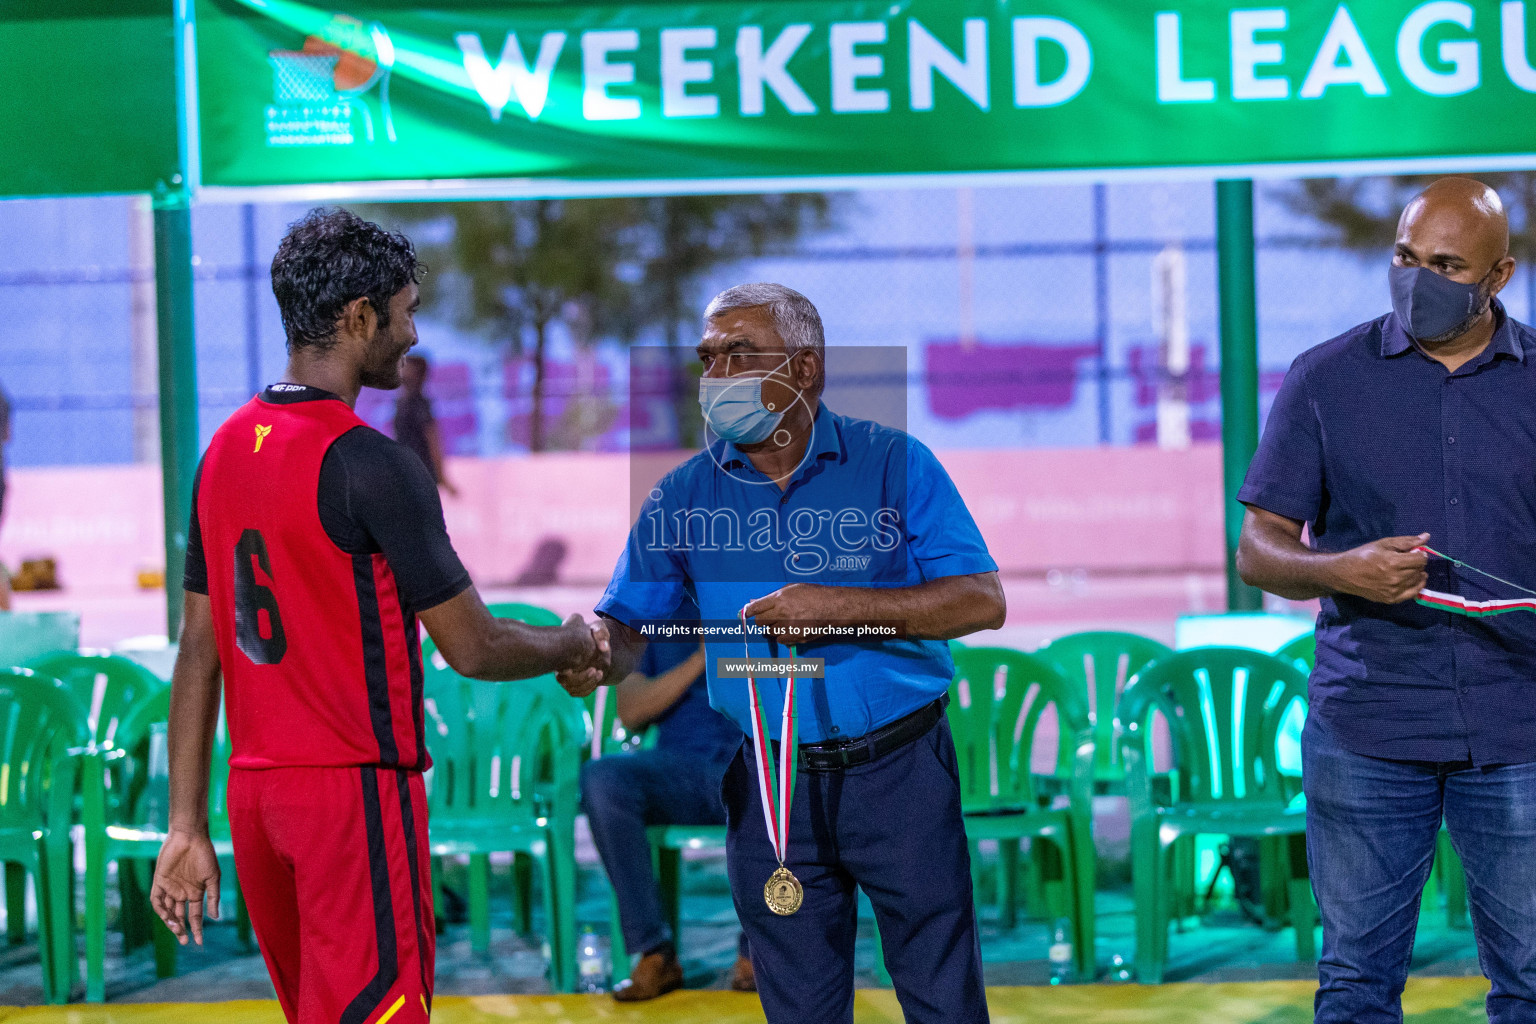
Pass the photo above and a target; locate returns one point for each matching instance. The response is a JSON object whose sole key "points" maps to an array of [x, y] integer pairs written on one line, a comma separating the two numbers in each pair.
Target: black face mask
{"points": [[1432, 307]]}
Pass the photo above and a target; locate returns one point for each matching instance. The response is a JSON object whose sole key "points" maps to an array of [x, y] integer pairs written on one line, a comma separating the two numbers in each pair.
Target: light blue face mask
{"points": [[733, 407]]}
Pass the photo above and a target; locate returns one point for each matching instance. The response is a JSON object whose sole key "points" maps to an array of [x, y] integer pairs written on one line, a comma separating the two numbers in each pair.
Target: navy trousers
{"points": [[622, 795], [891, 827], [1371, 830]]}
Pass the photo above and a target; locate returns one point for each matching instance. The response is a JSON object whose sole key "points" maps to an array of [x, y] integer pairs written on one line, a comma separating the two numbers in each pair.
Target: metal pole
{"points": [[1239, 367], [1101, 302], [178, 386], [175, 330], [251, 272]]}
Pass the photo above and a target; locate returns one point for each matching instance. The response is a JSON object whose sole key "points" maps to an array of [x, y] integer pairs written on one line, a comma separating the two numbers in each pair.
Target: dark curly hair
{"points": [[326, 260]]}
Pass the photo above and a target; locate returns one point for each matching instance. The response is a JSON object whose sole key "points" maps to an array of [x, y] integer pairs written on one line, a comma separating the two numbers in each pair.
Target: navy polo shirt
{"points": [[1370, 438], [690, 724], [868, 506]]}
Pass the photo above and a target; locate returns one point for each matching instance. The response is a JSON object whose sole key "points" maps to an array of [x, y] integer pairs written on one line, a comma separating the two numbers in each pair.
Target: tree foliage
{"points": [[620, 268], [1364, 211], [680, 240], [508, 270]]}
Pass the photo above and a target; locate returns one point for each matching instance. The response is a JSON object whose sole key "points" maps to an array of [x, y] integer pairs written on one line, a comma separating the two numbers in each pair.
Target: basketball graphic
{"points": [[318, 87]]}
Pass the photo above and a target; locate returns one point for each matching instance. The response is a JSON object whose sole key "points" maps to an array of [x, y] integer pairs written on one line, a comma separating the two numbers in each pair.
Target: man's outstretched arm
{"points": [[187, 870], [481, 646]]}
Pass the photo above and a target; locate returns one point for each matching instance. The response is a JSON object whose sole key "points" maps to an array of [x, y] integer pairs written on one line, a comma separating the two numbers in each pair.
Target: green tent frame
{"points": [[173, 195]]}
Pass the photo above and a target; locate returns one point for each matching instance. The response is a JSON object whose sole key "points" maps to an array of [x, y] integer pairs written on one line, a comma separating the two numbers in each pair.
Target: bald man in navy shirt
{"points": [[1417, 428]]}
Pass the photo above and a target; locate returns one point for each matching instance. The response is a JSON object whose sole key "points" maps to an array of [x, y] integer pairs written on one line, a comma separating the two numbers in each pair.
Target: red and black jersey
{"points": [[319, 644]]}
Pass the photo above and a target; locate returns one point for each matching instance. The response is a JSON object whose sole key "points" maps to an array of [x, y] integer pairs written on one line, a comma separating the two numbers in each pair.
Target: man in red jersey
{"points": [[315, 545]]}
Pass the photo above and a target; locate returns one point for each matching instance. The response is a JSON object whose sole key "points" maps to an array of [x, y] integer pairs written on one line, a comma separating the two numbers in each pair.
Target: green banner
{"points": [[572, 93], [89, 91]]}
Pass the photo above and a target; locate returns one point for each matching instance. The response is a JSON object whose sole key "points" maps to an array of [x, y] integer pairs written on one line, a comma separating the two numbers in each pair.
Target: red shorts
{"points": [[334, 868]]}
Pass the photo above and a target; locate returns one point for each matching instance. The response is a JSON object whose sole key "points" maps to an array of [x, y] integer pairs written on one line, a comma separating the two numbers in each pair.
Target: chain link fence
{"points": [[1049, 316]]}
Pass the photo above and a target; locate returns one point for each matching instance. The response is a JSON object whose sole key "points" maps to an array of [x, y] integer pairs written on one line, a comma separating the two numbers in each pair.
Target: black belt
{"points": [[830, 755]]}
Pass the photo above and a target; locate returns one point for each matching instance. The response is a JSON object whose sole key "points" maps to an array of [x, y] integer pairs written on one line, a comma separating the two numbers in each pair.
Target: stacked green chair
{"points": [[121, 827], [1447, 876], [43, 745], [106, 685], [997, 699], [1301, 652], [609, 737], [1103, 663], [606, 735], [1225, 708], [575, 715], [505, 762], [576, 719]]}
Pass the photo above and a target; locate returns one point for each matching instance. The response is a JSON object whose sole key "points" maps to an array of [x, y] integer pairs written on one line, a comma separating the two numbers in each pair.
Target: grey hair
{"points": [[794, 317]]}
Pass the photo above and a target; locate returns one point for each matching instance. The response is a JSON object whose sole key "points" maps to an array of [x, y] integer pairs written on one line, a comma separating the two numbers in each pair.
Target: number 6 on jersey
{"points": [[252, 599]]}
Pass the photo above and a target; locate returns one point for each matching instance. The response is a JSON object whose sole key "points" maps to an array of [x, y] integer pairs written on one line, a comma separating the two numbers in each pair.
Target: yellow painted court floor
{"points": [[1427, 1001]]}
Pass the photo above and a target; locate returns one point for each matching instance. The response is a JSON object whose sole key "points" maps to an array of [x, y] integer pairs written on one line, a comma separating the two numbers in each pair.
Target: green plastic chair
{"points": [[118, 828], [606, 733], [1301, 652], [607, 736], [107, 685], [575, 713], [1447, 878], [576, 723], [1103, 663], [1225, 708], [43, 745], [28, 635], [997, 700], [505, 780]]}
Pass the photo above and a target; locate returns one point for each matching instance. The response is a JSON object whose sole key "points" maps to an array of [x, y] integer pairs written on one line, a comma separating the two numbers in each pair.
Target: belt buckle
{"points": [[830, 757]]}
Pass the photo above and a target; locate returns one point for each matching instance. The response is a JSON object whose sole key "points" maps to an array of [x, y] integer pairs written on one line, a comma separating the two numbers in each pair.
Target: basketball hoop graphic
{"points": [[316, 90]]}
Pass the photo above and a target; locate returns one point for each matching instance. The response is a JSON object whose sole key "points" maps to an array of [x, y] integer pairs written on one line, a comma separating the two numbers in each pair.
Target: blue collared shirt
{"points": [[690, 724], [1370, 438], [868, 506]]}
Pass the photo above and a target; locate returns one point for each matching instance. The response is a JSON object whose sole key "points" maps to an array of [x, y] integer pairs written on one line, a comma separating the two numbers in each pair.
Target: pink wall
{"points": [[102, 523], [1132, 510], [1127, 509]]}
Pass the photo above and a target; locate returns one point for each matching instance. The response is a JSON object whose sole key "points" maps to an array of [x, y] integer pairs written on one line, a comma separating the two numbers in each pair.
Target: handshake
{"points": [[589, 656]]}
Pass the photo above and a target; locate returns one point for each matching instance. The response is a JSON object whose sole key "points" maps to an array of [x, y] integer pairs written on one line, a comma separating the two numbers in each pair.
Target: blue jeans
{"points": [[1371, 831], [622, 795]]}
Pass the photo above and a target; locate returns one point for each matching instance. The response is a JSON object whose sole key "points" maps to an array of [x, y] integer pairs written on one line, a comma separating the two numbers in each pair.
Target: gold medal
{"points": [[783, 893]]}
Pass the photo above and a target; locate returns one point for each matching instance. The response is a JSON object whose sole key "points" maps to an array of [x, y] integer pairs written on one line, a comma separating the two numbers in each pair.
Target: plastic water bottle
{"points": [[591, 965], [1061, 951]]}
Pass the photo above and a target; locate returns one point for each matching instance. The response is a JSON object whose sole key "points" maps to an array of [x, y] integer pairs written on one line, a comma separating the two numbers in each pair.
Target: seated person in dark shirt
{"points": [[676, 782]]}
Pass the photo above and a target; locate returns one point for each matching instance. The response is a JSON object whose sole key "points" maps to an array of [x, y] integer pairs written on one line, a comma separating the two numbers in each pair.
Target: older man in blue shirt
{"points": [[800, 520], [1416, 430]]}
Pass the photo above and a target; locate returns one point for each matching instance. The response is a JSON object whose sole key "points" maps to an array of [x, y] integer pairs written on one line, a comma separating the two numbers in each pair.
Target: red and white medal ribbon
{"points": [[775, 798], [1458, 605]]}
